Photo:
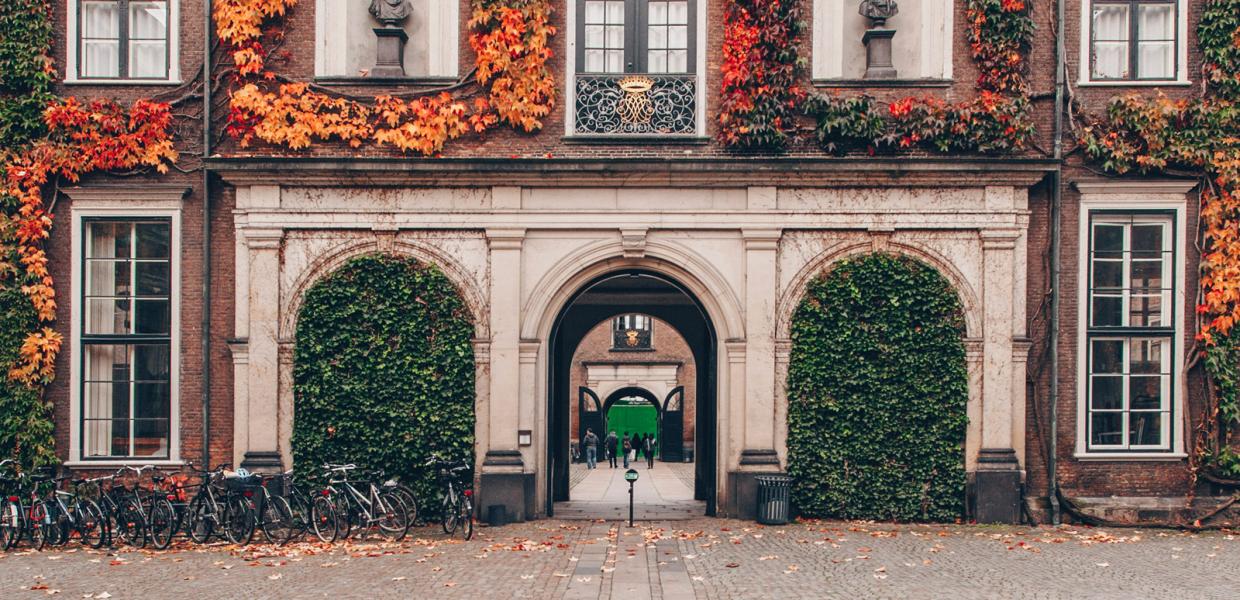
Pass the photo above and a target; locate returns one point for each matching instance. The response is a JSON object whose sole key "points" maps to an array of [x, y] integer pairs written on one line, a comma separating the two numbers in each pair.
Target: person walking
{"points": [[591, 444], [627, 446], [648, 448], [609, 446]]}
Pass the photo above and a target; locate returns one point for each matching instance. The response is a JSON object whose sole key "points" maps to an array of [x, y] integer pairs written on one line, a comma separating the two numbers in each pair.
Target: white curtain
{"points": [[100, 25], [1156, 41], [1110, 41], [148, 40], [102, 317]]}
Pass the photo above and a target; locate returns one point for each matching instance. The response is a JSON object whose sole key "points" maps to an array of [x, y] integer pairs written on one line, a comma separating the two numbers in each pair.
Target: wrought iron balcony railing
{"points": [[628, 104]]}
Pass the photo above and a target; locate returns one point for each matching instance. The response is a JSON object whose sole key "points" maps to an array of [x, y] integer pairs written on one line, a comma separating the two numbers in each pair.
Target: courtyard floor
{"points": [[703, 558]]}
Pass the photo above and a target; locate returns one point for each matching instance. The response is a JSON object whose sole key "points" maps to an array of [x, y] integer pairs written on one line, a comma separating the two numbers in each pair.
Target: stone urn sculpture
{"points": [[390, 51], [877, 38]]}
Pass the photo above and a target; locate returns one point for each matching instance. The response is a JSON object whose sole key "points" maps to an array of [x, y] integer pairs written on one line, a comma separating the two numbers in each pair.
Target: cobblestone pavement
{"points": [[706, 558]]}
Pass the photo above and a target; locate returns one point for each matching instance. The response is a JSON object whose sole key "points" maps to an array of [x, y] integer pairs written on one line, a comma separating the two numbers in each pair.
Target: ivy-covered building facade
{"points": [[935, 261]]}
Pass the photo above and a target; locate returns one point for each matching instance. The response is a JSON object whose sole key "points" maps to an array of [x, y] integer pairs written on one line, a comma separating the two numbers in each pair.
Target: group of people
{"points": [[627, 447]]}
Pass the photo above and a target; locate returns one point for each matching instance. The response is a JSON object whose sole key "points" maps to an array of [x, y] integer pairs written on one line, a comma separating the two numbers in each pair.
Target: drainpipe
{"points": [[206, 236], [1061, 83]]}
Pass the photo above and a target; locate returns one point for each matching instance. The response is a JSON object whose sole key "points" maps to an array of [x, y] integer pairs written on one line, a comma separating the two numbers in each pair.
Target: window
{"points": [[126, 338], [124, 39], [631, 332], [635, 36], [1133, 40], [1130, 332]]}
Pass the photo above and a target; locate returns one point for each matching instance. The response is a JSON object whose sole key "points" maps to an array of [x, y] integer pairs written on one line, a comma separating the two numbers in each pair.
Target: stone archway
{"points": [[383, 370], [603, 298]]}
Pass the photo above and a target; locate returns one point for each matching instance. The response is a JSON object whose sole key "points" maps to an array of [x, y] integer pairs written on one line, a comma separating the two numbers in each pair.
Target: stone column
{"points": [[761, 296], [997, 480], [503, 478], [261, 442]]}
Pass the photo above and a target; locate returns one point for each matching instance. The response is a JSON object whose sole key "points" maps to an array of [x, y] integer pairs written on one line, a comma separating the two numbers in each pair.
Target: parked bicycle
{"points": [[458, 505], [376, 508]]}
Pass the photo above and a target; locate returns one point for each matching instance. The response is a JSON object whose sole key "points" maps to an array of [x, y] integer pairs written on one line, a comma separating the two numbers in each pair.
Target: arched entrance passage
{"points": [[616, 293], [632, 410]]}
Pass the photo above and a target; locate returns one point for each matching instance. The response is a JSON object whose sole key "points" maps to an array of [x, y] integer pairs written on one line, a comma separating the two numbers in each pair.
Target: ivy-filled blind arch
{"points": [[383, 371], [877, 393]]}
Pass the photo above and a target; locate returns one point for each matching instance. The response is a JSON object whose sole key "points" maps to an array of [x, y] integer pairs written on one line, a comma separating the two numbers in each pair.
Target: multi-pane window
{"points": [[123, 39], [126, 338], [631, 332], [1130, 332], [635, 36], [1133, 40]]}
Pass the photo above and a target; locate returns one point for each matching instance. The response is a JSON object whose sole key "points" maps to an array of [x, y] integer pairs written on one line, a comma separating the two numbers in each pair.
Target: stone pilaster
{"points": [[261, 441], [505, 305], [761, 296], [996, 496]]}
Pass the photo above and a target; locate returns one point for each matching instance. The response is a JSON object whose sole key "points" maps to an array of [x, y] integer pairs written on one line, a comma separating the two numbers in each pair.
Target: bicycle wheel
{"points": [[163, 525], [466, 519], [10, 523], [88, 518], [411, 502], [393, 517], [323, 519], [128, 524], [450, 514], [278, 525], [200, 524], [239, 520], [39, 525], [300, 510]]}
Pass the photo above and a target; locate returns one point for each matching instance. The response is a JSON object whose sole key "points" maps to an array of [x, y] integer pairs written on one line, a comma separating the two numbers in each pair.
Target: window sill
{"points": [[882, 83], [386, 81], [1135, 83], [152, 82], [1130, 456], [87, 464], [621, 138], [630, 350]]}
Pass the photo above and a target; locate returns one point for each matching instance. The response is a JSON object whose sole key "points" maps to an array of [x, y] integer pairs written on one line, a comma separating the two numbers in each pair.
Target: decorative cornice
{"points": [[855, 172], [143, 195], [1135, 186]]}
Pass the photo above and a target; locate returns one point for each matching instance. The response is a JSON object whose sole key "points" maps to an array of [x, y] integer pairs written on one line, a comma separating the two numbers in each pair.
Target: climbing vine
{"points": [[877, 393], [761, 94], [48, 140], [511, 84], [383, 371], [762, 73], [1198, 136]]}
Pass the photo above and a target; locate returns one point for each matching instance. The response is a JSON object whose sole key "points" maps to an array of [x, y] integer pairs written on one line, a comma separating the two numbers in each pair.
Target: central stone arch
{"points": [[700, 278]]}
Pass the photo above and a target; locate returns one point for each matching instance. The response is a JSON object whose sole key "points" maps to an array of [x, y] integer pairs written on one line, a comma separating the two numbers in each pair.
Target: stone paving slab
{"points": [[703, 558]]}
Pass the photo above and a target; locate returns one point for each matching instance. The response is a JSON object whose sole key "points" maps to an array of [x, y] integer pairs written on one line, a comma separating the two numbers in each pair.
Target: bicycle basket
{"points": [[237, 484]]}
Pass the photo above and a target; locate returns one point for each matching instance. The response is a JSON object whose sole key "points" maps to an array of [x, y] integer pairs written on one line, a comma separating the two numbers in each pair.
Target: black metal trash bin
{"points": [[774, 504]]}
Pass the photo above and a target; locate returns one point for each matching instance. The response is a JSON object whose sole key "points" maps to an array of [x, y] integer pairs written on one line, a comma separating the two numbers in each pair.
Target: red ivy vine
{"points": [[510, 40], [761, 93]]}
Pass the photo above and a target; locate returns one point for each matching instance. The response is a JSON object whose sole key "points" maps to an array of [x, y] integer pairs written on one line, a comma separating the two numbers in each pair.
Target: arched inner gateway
{"points": [[633, 351]]}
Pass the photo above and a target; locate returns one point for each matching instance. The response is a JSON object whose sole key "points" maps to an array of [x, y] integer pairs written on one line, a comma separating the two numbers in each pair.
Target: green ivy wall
{"points": [[383, 371], [877, 394]]}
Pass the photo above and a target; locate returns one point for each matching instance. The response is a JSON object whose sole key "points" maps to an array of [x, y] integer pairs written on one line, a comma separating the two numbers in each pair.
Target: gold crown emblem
{"points": [[636, 84]]}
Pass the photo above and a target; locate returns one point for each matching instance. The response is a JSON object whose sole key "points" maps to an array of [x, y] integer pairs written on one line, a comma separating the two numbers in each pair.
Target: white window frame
{"points": [[570, 72], [174, 50], [443, 49], [1085, 74], [1136, 196], [148, 201], [937, 21]]}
